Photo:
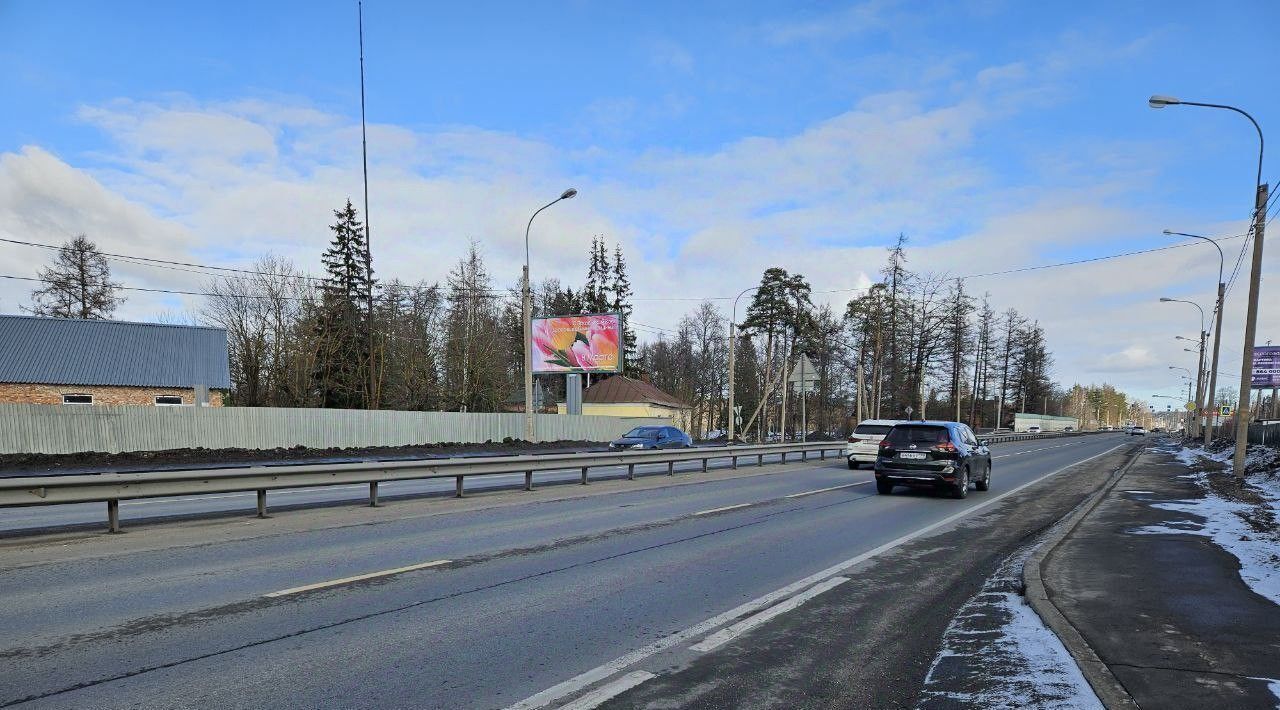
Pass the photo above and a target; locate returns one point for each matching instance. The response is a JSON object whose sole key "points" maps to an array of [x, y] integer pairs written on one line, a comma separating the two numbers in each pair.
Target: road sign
{"points": [[803, 374], [1191, 406], [1224, 411]]}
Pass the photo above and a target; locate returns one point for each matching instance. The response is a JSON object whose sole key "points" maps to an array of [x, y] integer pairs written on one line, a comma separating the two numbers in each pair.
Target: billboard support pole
{"points": [[573, 394]]}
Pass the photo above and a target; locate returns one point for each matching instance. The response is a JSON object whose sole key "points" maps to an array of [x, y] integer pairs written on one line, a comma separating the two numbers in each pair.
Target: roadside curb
{"points": [[1104, 683]]}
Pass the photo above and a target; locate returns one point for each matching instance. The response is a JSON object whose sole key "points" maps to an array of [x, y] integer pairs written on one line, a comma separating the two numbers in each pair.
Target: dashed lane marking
{"points": [[824, 490], [356, 578], [721, 510]]}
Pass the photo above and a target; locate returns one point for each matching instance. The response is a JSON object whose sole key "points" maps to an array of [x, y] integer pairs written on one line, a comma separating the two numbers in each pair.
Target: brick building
{"points": [[67, 361]]}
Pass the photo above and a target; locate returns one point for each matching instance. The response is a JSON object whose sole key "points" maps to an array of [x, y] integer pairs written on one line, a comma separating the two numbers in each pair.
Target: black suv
{"points": [[935, 454]]}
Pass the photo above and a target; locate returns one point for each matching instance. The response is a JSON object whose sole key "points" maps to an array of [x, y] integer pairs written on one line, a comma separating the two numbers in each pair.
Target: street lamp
{"points": [[1200, 369], [733, 342], [1255, 277], [526, 312], [1217, 335]]}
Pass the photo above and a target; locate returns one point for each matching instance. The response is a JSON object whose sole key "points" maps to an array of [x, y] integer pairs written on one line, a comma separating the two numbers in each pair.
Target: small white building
{"points": [[1023, 421]]}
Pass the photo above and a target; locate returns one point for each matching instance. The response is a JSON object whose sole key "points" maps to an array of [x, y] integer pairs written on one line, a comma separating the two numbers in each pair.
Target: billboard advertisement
{"points": [[1266, 367], [585, 343]]}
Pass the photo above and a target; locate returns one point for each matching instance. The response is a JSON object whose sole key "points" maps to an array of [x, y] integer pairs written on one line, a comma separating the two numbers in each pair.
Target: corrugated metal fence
{"points": [[30, 428], [1268, 434]]}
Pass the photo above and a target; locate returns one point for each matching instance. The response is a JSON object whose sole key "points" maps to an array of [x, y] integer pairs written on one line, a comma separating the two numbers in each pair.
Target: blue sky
{"points": [[710, 139]]}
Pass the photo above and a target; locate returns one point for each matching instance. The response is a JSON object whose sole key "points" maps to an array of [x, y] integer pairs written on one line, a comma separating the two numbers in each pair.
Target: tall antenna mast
{"points": [[372, 401]]}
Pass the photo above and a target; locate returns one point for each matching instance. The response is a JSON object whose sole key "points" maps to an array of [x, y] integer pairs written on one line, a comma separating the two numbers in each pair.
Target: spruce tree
{"points": [[622, 306], [342, 359]]}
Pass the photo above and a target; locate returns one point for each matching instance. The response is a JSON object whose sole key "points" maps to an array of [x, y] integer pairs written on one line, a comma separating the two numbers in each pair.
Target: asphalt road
{"points": [[510, 601]]}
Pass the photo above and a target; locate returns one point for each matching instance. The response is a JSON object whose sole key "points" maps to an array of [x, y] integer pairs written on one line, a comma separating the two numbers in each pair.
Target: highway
{"points": [[494, 600]]}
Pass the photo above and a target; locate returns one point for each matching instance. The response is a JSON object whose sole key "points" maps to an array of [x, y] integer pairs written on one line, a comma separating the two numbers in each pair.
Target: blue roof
{"points": [[68, 351]]}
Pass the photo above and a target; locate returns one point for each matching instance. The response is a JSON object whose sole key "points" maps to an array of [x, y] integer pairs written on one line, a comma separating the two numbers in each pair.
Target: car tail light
{"points": [[946, 446], [854, 440]]}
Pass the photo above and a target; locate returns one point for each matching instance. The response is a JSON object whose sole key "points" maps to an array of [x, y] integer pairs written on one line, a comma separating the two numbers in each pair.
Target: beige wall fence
{"points": [[32, 428]]}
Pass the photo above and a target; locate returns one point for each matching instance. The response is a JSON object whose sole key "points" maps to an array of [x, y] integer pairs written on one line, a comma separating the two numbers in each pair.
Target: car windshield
{"points": [[928, 435], [644, 432], [880, 429]]}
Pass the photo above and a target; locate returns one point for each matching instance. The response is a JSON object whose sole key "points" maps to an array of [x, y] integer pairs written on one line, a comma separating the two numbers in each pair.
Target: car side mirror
{"points": [[984, 442]]}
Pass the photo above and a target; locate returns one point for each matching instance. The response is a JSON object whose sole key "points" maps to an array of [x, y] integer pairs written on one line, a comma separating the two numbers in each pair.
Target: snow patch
{"points": [[997, 653], [1227, 522]]}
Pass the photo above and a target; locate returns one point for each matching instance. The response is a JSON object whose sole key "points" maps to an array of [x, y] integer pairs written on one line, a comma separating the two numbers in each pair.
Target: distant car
{"points": [[1105, 428], [864, 442], [935, 454], [1069, 429], [652, 437], [1157, 430], [1033, 430], [1137, 431]]}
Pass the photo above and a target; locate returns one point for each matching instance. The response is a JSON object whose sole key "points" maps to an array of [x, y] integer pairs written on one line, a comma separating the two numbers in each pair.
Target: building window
{"points": [[168, 400], [77, 399]]}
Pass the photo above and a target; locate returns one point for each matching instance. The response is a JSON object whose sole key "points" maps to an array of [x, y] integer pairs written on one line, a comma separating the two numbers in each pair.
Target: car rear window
{"points": [[927, 435], [881, 429]]}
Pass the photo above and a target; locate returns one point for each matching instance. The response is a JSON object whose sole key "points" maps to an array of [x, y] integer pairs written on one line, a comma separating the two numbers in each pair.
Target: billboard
{"points": [[1266, 367], [585, 343]]}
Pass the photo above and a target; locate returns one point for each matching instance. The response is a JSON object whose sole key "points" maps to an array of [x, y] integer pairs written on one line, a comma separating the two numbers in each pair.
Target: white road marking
{"points": [[1030, 451], [824, 490], [726, 635], [357, 578], [607, 692], [721, 510], [599, 673]]}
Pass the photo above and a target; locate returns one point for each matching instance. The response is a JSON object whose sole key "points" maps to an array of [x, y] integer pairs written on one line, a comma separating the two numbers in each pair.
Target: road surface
{"points": [[509, 597]]}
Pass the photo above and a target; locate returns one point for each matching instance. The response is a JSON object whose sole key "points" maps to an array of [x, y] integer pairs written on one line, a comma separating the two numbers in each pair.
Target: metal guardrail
{"points": [[114, 487]]}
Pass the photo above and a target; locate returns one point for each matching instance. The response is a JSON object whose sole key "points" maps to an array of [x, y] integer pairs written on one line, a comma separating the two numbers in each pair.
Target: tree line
{"points": [[913, 345]]}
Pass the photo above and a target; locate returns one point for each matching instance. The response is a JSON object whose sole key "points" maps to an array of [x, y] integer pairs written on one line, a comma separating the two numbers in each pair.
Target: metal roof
{"points": [[69, 351], [620, 389]]}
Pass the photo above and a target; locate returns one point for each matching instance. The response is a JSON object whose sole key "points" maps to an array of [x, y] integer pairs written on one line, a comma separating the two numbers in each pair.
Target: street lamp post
{"points": [[1189, 380], [1255, 278], [1199, 399], [733, 342], [526, 315], [1217, 337]]}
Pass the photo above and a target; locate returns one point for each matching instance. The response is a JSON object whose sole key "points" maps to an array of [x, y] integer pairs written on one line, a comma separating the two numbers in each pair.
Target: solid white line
{"points": [[721, 510], [824, 490], [582, 680], [606, 692], [356, 578], [724, 636]]}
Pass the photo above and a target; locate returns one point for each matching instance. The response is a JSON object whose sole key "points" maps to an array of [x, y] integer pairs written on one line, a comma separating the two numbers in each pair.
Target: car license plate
{"points": [[912, 455]]}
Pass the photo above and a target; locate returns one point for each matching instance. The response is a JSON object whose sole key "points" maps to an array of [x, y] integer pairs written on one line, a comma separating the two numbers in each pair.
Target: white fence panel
{"points": [[31, 428]]}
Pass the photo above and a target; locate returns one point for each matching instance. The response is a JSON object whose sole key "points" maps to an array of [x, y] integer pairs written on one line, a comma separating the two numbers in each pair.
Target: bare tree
{"points": [[77, 285]]}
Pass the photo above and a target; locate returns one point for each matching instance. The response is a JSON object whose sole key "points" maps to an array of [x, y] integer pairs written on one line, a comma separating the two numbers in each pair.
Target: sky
{"points": [[711, 140]]}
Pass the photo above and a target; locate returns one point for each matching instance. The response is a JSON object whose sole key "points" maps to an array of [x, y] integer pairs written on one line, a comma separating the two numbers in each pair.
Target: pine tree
{"points": [[622, 306], [343, 358], [77, 285], [595, 294]]}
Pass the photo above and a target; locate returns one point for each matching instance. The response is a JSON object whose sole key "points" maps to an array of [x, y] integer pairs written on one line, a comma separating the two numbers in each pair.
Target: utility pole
{"points": [[1250, 328], [372, 402]]}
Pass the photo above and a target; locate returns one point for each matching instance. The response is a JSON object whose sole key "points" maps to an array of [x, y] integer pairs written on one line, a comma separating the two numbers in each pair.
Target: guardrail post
{"points": [[457, 493], [671, 468], [373, 494], [704, 465], [528, 480], [735, 462], [262, 503], [113, 516], [631, 472], [822, 454], [804, 455], [584, 475], [760, 459], [784, 457]]}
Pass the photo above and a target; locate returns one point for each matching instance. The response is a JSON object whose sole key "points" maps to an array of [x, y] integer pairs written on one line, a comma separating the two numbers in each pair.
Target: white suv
{"points": [[864, 442]]}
